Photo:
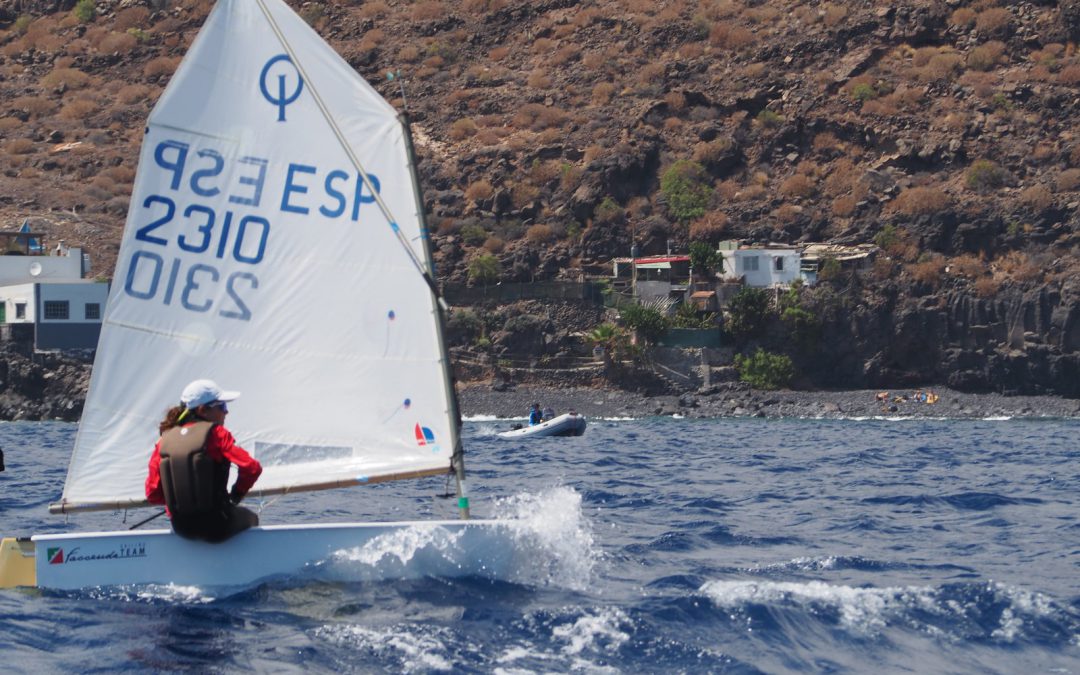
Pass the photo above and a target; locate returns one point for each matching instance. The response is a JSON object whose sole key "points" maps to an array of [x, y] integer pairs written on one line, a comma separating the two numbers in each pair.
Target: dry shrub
{"points": [[920, 201], [120, 174], [797, 185], [751, 193], [542, 173], [834, 14], [1037, 197], [19, 146], [494, 244], [117, 43], [711, 227], [462, 128], [1068, 180], [708, 152], [826, 141], [672, 124], [373, 9], [691, 51], [1018, 266], [987, 287], [9, 123], [162, 65], [540, 234], [726, 35], [675, 100], [928, 271], [427, 11], [69, 78], [537, 117], [542, 45], [565, 55], [962, 18], [79, 109], [133, 93], [968, 266], [984, 85], [985, 56], [1069, 75], [480, 190], [941, 66], [1074, 155], [602, 93], [844, 207], [132, 17], [995, 21], [841, 177], [523, 194], [786, 214], [539, 79], [35, 106]]}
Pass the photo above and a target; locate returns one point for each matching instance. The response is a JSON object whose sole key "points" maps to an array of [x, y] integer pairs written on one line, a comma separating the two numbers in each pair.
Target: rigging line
{"points": [[147, 520], [352, 155]]}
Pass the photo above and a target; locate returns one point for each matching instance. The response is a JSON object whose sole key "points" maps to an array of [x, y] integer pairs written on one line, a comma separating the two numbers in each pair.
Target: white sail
{"points": [[253, 255]]}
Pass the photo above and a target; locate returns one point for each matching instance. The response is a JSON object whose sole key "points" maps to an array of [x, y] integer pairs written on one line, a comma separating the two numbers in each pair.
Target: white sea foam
{"points": [[869, 610], [606, 629], [552, 539], [171, 593], [481, 418], [417, 647]]}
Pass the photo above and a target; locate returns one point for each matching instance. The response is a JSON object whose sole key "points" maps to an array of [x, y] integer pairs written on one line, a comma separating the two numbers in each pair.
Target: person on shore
{"points": [[535, 416], [189, 468]]}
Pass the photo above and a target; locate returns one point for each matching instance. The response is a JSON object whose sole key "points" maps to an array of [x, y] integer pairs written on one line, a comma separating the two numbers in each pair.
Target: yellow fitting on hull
{"points": [[17, 563]]}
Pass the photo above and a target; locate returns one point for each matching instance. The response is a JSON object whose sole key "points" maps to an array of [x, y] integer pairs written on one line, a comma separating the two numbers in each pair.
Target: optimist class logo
{"points": [[424, 436]]}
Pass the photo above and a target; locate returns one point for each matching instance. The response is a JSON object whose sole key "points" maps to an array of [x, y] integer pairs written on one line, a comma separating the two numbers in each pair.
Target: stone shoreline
{"points": [[736, 400]]}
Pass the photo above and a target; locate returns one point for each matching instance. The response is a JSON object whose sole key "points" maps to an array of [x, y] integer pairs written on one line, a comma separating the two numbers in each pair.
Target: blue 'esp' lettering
{"points": [[176, 166], [215, 170], [291, 187], [255, 181]]}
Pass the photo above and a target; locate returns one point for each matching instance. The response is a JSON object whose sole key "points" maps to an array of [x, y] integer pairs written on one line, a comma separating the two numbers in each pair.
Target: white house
{"points": [[47, 299], [64, 315], [763, 266]]}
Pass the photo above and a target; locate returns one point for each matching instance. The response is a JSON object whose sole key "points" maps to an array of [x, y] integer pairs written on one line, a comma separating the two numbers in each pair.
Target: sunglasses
{"points": [[219, 404]]}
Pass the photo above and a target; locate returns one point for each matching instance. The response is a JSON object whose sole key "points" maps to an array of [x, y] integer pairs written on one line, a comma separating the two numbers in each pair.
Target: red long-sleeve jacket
{"points": [[221, 446]]}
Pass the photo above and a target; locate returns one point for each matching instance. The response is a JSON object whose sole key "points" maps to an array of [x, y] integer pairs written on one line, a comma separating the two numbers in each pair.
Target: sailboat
{"points": [[275, 242]]}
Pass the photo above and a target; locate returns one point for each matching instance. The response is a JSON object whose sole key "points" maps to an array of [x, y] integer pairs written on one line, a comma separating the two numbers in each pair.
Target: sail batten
{"points": [[273, 244]]}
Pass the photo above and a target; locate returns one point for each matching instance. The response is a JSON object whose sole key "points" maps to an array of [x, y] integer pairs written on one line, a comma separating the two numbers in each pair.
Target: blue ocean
{"points": [[655, 545]]}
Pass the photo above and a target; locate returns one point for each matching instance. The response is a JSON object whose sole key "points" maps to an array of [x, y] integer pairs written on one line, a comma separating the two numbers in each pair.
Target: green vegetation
{"points": [[769, 119], [22, 23], [474, 234], [687, 316], [687, 190], [85, 11], [984, 174], [863, 92], [765, 370], [649, 322], [748, 310], [705, 259], [887, 237], [608, 211], [139, 34], [484, 269]]}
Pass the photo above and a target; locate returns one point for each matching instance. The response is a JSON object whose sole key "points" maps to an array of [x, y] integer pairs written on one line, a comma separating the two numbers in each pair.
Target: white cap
{"points": [[201, 392]]}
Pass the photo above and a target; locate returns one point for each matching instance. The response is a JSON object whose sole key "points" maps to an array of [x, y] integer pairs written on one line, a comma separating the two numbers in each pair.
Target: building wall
{"points": [[75, 332], [738, 263], [20, 269]]}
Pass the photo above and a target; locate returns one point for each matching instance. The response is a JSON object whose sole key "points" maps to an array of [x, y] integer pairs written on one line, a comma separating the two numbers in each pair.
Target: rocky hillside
{"points": [[555, 133]]}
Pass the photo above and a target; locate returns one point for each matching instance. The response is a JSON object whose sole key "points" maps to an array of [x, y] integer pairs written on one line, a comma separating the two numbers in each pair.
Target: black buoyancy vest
{"points": [[194, 484]]}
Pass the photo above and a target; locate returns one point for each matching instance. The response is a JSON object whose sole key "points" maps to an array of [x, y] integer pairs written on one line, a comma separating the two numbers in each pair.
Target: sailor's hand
{"points": [[235, 496]]}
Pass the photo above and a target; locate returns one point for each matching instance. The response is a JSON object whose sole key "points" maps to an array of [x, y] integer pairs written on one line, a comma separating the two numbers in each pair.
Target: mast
{"points": [[457, 460]]}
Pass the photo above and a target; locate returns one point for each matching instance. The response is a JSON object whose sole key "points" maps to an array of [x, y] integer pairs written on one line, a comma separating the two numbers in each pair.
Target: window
{"points": [[56, 309], [93, 311], [20, 310], [750, 263], [778, 264]]}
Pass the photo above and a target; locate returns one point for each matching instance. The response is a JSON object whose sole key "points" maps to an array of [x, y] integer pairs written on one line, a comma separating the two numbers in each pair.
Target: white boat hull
{"points": [[348, 551], [567, 424]]}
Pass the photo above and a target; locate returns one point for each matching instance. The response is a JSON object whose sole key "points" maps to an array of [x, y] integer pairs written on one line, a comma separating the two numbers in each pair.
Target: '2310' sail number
{"points": [[194, 286]]}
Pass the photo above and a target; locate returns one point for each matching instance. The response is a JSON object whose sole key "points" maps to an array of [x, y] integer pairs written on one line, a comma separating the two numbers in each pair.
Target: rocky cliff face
{"points": [[548, 133]]}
